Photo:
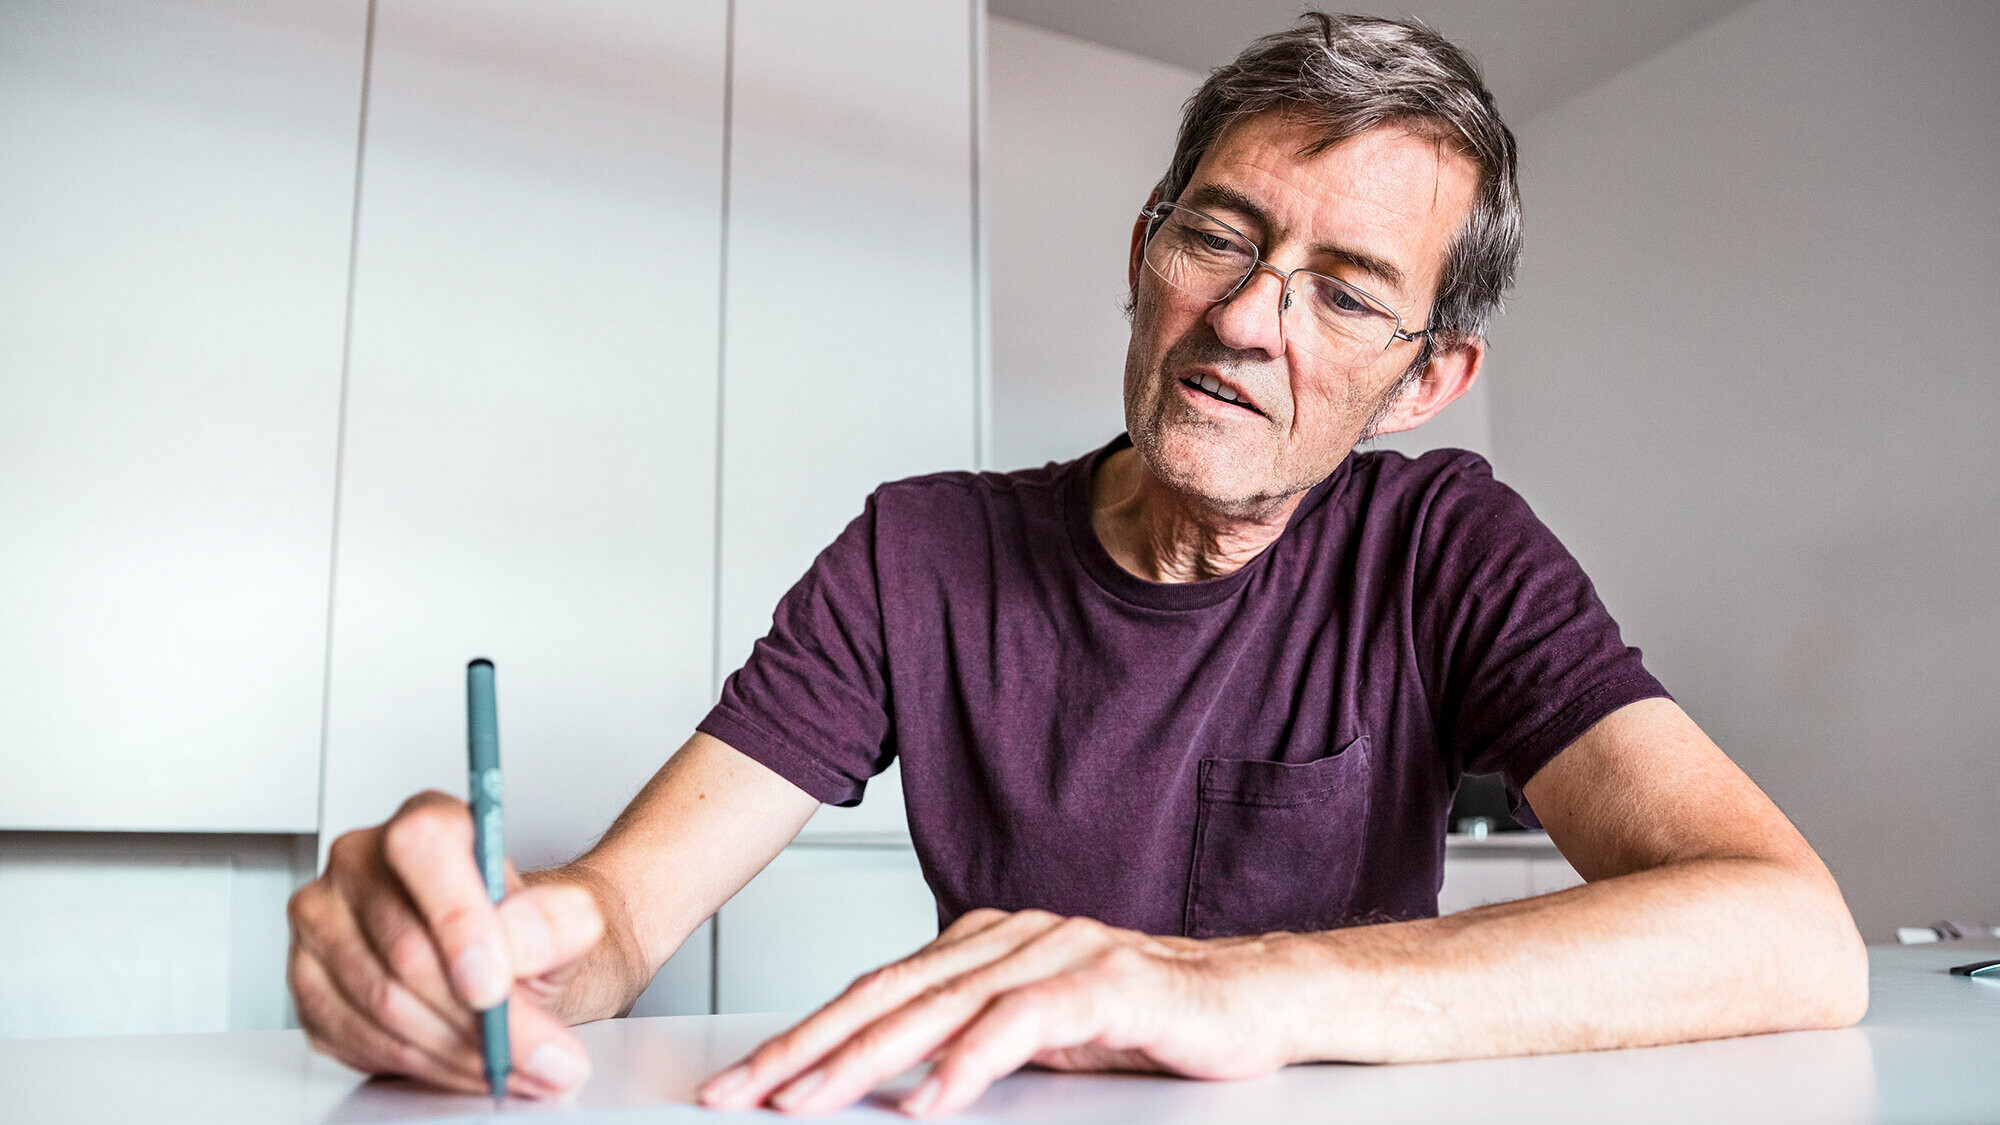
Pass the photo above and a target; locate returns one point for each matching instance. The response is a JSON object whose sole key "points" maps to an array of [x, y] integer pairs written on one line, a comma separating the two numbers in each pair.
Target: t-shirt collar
{"points": [[1123, 584]]}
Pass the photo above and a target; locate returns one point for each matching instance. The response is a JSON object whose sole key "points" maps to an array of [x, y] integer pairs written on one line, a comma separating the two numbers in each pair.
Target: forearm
{"points": [[708, 821], [1693, 950]]}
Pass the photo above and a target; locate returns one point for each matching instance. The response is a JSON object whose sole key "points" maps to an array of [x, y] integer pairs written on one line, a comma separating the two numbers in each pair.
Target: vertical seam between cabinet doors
{"points": [[340, 426], [982, 373], [721, 387]]}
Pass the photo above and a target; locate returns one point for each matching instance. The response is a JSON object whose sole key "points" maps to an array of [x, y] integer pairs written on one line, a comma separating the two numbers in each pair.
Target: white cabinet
{"points": [[1501, 868], [849, 348], [815, 919], [529, 460], [178, 182]]}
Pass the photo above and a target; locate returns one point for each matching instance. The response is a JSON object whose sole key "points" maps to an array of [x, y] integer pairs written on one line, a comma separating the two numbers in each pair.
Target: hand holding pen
{"points": [[398, 950]]}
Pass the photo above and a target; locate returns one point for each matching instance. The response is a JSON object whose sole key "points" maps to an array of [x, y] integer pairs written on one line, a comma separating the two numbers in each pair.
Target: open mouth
{"points": [[1208, 385]]}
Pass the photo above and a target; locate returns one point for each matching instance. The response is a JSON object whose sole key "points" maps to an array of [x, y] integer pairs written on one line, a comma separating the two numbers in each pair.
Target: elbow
{"points": [[1837, 991], [1846, 989]]}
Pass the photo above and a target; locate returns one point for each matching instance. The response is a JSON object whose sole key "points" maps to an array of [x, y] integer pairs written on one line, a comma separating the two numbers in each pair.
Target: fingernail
{"points": [[798, 1091], [722, 1085], [922, 1098], [557, 1066], [477, 977]]}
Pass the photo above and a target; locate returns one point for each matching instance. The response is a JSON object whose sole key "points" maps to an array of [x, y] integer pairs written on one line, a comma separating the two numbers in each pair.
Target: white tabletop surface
{"points": [[1929, 1051]]}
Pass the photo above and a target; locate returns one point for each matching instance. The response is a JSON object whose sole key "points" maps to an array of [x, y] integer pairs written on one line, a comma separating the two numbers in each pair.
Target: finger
{"points": [[336, 942], [882, 990], [549, 926], [336, 1028], [901, 1039], [971, 924], [428, 844], [1049, 1015], [542, 1049], [399, 937]]}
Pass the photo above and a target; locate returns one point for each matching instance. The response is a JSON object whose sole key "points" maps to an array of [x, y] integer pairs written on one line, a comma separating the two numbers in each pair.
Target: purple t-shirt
{"points": [[1275, 749]]}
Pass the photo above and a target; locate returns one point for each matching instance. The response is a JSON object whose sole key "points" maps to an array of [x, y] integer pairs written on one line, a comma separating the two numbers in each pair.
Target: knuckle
{"points": [[972, 921], [774, 1052], [427, 800], [381, 1001], [1078, 928], [302, 909], [955, 993], [349, 849], [417, 833], [877, 982], [1122, 956], [411, 955], [869, 1042]]}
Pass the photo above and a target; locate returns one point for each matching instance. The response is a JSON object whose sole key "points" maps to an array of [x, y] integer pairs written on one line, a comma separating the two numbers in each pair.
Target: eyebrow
{"points": [[1222, 195]]}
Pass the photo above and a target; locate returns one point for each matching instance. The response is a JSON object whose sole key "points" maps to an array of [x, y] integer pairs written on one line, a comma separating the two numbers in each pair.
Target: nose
{"points": [[1249, 320]]}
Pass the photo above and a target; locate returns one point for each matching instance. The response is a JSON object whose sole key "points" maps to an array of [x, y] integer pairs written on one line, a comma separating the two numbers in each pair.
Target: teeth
{"points": [[1214, 386]]}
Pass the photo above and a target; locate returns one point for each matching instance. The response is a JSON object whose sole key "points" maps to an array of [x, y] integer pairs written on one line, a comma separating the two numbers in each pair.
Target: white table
{"points": [[1929, 1051]]}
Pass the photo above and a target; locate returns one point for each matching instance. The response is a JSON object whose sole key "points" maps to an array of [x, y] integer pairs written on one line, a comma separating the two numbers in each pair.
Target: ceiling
{"points": [[1536, 53]]}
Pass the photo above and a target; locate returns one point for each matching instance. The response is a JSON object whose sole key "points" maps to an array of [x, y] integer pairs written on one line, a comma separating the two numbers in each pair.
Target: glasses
{"points": [[1326, 317]]}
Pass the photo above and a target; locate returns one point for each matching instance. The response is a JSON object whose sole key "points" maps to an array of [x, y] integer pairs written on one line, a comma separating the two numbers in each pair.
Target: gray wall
{"points": [[1749, 377]]}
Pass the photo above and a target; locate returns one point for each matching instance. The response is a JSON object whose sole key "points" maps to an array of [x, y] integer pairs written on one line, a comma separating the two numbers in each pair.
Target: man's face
{"points": [[1385, 197]]}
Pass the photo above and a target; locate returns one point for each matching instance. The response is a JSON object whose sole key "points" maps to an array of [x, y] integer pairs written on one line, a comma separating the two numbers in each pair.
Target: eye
{"points": [[1337, 299], [1218, 243]]}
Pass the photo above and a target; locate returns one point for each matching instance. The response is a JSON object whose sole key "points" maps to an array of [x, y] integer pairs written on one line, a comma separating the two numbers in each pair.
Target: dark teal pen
{"points": [[482, 729]]}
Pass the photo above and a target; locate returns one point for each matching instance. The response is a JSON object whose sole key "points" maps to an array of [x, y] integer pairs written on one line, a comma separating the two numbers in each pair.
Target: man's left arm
{"points": [[1706, 915]]}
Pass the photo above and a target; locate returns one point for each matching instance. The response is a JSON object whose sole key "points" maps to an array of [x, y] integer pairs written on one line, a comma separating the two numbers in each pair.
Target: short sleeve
{"points": [[811, 702], [1520, 656]]}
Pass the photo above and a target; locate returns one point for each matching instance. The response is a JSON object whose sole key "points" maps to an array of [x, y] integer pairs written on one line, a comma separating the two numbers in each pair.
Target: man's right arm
{"points": [[395, 946]]}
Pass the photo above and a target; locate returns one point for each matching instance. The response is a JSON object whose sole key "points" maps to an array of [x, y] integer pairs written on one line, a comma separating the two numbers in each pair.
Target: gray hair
{"points": [[1344, 75]]}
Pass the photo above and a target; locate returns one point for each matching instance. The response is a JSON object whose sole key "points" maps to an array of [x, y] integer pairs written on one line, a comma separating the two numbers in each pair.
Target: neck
{"points": [[1166, 536]]}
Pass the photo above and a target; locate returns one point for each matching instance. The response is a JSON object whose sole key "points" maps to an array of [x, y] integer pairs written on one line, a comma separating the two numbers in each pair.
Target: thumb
{"points": [[548, 926]]}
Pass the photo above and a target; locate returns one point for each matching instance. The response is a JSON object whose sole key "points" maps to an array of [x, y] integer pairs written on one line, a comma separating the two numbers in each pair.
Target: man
{"points": [[1179, 721]]}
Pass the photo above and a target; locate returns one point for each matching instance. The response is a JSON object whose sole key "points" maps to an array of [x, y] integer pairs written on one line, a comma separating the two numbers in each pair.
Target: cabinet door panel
{"points": [[684, 985], [1546, 876], [1477, 880], [815, 919], [529, 461], [850, 338], [178, 182]]}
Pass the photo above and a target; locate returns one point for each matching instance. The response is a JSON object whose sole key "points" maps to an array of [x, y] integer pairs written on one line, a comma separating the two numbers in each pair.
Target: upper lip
{"points": [[1242, 397]]}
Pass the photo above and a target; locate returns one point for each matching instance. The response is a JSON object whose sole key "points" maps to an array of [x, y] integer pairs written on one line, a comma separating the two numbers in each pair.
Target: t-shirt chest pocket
{"points": [[1277, 845]]}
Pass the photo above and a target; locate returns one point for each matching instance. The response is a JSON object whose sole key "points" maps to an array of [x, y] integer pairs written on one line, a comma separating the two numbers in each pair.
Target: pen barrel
{"points": [[494, 1047], [483, 778], [482, 735]]}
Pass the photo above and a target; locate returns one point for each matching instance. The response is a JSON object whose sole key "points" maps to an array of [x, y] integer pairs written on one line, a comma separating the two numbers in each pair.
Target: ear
{"points": [[1451, 373], [1138, 247]]}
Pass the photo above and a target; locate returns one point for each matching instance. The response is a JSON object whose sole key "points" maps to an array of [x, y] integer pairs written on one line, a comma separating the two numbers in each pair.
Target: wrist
{"points": [[1270, 986], [608, 979], [1300, 990]]}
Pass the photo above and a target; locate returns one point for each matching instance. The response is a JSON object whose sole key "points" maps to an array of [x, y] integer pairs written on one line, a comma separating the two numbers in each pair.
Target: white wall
{"points": [[587, 425], [1077, 136], [1749, 379]]}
